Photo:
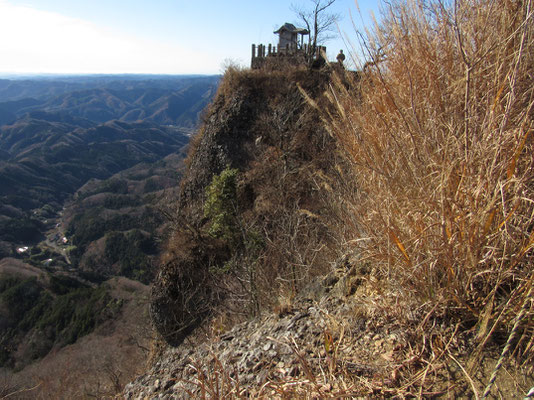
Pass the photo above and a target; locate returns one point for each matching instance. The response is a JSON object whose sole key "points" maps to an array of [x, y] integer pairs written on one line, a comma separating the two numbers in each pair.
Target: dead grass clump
{"points": [[440, 138]]}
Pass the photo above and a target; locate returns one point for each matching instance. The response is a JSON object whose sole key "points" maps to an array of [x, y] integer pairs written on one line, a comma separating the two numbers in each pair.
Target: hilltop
{"points": [[359, 235]]}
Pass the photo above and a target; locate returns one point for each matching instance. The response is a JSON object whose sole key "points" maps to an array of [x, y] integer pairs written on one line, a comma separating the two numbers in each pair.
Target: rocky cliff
{"points": [[259, 293], [254, 183]]}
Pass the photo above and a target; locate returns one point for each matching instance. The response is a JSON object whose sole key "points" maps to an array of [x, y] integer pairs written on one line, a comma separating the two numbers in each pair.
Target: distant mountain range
{"points": [[85, 163], [58, 133], [163, 100]]}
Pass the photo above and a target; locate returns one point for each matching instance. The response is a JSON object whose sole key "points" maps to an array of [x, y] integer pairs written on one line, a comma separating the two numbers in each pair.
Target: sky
{"points": [[149, 36]]}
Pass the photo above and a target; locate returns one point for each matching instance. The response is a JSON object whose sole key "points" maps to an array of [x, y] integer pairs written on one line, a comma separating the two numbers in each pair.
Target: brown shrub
{"points": [[440, 140]]}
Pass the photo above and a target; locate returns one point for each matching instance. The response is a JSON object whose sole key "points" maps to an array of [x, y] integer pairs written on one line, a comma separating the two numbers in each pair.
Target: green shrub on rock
{"points": [[221, 205]]}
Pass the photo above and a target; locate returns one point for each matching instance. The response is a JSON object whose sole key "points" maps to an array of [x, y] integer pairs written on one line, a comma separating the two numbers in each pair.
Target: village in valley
{"points": [[52, 253]]}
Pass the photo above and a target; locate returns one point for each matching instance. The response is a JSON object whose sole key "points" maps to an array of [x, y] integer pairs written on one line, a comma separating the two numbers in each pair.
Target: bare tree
{"points": [[320, 23]]}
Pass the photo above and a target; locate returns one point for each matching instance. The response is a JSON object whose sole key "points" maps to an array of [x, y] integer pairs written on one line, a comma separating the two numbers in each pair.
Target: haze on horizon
{"points": [[141, 37]]}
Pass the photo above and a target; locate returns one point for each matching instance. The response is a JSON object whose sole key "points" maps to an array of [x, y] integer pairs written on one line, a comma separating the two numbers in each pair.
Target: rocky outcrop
{"points": [[228, 126], [353, 333], [317, 334], [260, 125]]}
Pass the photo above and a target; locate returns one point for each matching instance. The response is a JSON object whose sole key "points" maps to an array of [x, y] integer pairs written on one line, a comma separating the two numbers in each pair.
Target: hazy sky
{"points": [[146, 36]]}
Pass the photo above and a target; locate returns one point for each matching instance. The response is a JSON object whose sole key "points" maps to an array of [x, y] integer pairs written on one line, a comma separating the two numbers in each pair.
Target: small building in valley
{"points": [[21, 250]]}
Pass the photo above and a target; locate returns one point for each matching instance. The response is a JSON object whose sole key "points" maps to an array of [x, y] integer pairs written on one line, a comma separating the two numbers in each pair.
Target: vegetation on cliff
{"points": [[253, 220], [420, 167]]}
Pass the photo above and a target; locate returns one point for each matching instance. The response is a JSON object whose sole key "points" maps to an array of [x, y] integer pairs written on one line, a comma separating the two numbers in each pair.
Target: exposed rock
{"points": [[268, 204], [267, 349]]}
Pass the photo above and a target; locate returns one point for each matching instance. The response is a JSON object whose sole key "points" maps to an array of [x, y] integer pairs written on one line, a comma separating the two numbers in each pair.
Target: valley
{"points": [[60, 139], [87, 166]]}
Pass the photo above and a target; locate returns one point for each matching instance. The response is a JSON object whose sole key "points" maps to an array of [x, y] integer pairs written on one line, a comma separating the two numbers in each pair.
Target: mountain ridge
{"points": [[81, 183], [77, 128]]}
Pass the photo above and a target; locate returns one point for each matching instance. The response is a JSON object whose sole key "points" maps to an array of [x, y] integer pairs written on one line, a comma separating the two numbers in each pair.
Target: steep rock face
{"points": [[252, 116], [228, 133], [261, 125], [348, 336], [182, 295], [227, 128]]}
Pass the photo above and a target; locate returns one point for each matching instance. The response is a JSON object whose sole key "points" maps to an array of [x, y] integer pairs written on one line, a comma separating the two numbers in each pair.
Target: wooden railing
{"points": [[261, 52]]}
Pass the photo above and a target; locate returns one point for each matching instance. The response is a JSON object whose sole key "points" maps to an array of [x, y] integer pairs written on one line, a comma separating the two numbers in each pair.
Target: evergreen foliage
{"points": [[22, 230], [131, 251], [58, 314], [221, 205]]}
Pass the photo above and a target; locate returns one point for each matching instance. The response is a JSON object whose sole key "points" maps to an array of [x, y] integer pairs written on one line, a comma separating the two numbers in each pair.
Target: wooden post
{"points": [[253, 51], [269, 49]]}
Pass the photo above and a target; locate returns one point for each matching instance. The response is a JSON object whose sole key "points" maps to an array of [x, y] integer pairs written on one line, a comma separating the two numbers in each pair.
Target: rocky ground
{"points": [[330, 342], [317, 344]]}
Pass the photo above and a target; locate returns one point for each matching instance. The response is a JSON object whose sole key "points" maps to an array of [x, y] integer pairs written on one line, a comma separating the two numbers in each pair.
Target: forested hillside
{"points": [[71, 131], [86, 168]]}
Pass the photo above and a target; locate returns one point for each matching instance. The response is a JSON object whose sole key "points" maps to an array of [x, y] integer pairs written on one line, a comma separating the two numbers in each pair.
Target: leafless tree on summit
{"points": [[319, 22]]}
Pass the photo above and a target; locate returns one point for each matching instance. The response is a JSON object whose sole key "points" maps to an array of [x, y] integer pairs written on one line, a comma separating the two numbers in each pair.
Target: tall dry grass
{"points": [[439, 134]]}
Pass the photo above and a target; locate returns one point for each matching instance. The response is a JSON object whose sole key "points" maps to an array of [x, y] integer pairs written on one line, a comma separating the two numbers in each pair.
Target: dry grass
{"points": [[213, 381], [438, 132], [440, 138]]}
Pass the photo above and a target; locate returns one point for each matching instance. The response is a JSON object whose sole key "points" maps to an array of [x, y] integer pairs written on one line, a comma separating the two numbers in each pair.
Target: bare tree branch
{"points": [[320, 23]]}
